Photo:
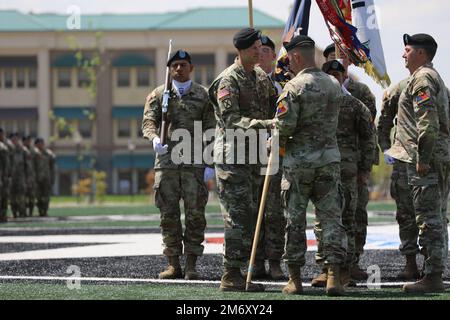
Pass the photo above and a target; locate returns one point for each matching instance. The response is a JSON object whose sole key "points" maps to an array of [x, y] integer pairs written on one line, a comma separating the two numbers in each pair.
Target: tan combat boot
{"points": [[232, 280], [334, 286], [189, 269], [294, 285], [410, 272], [173, 271], [275, 271], [430, 283], [358, 274], [321, 280]]}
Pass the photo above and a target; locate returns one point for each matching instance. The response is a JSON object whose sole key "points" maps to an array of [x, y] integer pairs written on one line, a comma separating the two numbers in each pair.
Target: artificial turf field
{"points": [[135, 277]]}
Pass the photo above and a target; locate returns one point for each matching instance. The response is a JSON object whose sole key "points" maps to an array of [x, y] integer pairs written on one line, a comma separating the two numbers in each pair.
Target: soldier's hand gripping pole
{"points": [[166, 97], [262, 205]]}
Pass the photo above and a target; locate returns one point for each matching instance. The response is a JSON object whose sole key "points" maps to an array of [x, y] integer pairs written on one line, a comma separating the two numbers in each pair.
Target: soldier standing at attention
{"points": [[311, 164], [6, 184], [421, 141], [356, 141], [31, 179], [401, 191], [244, 100], [4, 176], [44, 168], [19, 172], [271, 245], [175, 181], [362, 92]]}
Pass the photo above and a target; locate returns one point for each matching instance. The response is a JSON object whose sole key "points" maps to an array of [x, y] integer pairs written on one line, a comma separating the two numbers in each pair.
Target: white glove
{"points": [[388, 159], [209, 174], [158, 147]]}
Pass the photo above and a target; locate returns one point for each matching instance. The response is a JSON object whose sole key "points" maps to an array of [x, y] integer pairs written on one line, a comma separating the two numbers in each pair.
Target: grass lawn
{"points": [[19, 290]]}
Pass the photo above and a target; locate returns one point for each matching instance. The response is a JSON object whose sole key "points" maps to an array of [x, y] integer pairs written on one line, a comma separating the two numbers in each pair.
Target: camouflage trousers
{"points": [[401, 192], [172, 185], [43, 192], [31, 194], [361, 221], [18, 197], [239, 189], [274, 223], [349, 184], [428, 196], [4, 197], [321, 186]]}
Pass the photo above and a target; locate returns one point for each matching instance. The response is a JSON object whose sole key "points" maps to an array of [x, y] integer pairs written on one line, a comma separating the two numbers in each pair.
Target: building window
{"points": [[143, 77], [32, 129], [64, 80], [85, 128], [124, 181], [64, 132], [32, 78], [124, 128], [204, 74], [20, 74], [123, 77], [21, 127], [83, 79], [8, 73]]}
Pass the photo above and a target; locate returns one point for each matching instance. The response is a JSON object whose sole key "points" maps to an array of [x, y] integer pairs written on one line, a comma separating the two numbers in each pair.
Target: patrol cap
{"points": [[179, 55], [333, 65], [420, 40], [266, 41], [329, 49], [245, 38], [299, 41]]}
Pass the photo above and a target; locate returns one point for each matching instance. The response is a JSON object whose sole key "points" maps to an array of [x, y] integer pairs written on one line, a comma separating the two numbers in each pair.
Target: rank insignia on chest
{"points": [[223, 93], [422, 96], [282, 108]]}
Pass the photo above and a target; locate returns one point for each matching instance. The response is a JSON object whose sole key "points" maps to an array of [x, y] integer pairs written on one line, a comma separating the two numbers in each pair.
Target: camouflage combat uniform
{"points": [[18, 181], [241, 101], [362, 92], [311, 164], [356, 141], [30, 179], [6, 185], [422, 136], [401, 191], [4, 176], [173, 181], [44, 168]]}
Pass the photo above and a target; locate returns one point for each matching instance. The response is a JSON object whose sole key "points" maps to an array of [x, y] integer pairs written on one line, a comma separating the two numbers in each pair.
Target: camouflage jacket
{"points": [[192, 107], [241, 101], [19, 168], [356, 133], [307, 119], [422, 133], [30, 154], [388, 115], [362, 92], [44, 166], [4, 163]]}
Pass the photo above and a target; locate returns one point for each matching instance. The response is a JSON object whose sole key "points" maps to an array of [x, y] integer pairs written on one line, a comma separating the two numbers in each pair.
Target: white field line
{"points": [[177, 281]]}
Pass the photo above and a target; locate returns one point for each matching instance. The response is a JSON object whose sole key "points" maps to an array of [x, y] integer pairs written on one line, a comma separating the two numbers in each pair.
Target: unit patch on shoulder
{"points": [[282, 108], [223, 94], [422, 96]]}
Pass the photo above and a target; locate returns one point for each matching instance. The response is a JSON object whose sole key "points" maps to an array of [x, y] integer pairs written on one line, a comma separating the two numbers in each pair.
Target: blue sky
{"points": [[396, 17]]}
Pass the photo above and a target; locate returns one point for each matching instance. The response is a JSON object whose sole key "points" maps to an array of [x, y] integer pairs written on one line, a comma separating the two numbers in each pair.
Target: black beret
{"points": [[179, 55], [266, 41], [245, 38], [329, 49], [333, 65], [1, 129], [299, 41], [420, 39], [38, 140]]}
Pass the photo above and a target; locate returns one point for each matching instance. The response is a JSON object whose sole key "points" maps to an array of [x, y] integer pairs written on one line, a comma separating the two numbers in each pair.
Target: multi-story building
{"points": [[45, 91]]}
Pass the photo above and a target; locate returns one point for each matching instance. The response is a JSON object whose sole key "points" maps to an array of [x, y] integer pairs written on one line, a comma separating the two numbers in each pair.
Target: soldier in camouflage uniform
{"points": [[176, 179], [18, 177], [421, 141], [272, 230], [361, 92], [401, 191], [44, 168], [244, 100], [311, 164], [6, 184], [356, 141], [4, 176], [31, 179]]}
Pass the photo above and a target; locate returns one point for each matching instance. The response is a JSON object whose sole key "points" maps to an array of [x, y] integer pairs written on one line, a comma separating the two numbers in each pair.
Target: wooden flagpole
{"points": [[250, 13]]}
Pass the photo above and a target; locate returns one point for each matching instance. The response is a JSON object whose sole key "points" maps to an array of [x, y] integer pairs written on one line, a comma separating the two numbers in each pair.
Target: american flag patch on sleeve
{"points": [[223, 93]]}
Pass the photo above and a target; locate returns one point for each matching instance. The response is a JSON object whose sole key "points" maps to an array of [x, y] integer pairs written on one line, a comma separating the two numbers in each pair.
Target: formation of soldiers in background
{"points": [[27, 175], [328, 144]]}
